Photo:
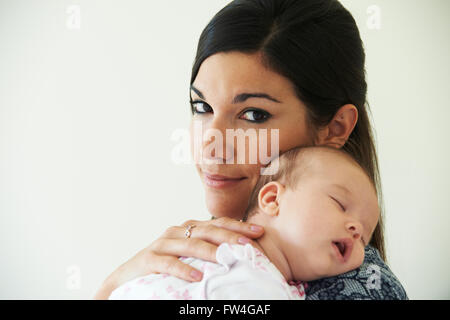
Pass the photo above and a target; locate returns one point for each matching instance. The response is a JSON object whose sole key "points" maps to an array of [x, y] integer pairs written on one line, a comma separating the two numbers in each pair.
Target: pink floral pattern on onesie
{"points": [[238, 267]]}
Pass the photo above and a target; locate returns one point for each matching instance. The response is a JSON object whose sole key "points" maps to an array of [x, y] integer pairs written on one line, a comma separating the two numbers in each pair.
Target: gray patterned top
{"points": [[373, 280]]}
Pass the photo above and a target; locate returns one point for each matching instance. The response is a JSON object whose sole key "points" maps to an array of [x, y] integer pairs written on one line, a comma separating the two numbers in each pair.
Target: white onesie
{"points": [[241, 273]]}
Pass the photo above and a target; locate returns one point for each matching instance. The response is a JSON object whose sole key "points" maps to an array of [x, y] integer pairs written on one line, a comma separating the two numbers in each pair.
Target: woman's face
{"points": [[222, 77]]}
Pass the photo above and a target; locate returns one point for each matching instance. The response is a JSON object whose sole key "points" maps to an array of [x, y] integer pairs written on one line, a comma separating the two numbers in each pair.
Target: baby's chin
{"points": [[354, 262], [325, 266], [358, 259]]}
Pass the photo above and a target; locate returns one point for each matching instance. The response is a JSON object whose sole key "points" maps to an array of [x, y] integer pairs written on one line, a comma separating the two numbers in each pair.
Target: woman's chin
{"points": [[222, 208]]}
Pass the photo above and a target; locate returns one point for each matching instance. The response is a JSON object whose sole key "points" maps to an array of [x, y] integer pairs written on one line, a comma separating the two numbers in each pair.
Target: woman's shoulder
{"points": [[373, 280]]}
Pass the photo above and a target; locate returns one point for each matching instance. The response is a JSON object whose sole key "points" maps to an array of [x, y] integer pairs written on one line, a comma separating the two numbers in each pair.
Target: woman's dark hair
{"points": [[317, 46]]}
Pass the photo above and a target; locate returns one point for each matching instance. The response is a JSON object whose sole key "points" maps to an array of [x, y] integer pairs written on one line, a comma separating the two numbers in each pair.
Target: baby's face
{"points": [[325, 223]]}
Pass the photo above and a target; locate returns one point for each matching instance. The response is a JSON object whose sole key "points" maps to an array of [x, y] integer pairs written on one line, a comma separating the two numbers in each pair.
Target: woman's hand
{"points": [[162, 255]]}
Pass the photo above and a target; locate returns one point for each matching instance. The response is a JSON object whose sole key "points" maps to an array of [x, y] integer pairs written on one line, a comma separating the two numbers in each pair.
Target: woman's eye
{"points": [[200, 107], [255, 115]]}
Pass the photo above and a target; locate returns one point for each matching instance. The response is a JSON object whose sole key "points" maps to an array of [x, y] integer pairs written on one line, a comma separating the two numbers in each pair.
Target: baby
{"points": [[318, 210]]}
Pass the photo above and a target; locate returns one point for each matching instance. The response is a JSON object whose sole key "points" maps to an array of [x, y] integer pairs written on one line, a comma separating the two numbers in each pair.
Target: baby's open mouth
{"points": [[343, 249]]}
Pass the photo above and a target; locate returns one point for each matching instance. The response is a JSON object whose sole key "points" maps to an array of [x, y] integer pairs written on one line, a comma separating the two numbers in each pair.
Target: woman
{"points": [[292, 65]]}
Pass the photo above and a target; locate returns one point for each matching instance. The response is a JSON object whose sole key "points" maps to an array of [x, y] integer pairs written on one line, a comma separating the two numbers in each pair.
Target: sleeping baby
{"points": [[318, 210]]}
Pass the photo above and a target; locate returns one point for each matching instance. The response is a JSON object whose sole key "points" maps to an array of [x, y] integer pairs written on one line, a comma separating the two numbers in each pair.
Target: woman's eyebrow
{"points": [[242, 97]]}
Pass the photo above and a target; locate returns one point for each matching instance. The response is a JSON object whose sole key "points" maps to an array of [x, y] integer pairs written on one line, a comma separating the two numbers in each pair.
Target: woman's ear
{"points": [[336, 133], [268, 198]]}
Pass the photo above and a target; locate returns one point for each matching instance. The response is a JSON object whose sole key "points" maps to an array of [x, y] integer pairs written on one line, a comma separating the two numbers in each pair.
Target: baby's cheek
{"points": [[359, 257]]}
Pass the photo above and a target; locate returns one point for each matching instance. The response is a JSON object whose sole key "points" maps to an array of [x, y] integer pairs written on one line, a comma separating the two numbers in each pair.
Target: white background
{"points": [[86, 118]]}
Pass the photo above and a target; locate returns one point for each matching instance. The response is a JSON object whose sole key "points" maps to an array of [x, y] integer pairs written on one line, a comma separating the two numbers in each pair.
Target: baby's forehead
{"points": [[320, 169], [315, 159], [337, 172], [330, 166]]}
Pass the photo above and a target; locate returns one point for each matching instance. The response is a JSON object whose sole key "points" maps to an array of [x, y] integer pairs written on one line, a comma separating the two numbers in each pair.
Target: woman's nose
{"points": [[215, 147], [355, 229]]}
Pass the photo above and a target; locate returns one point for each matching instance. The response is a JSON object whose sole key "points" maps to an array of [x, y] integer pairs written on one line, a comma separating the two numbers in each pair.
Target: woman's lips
{"points": [[343, 249], [219, 181]]}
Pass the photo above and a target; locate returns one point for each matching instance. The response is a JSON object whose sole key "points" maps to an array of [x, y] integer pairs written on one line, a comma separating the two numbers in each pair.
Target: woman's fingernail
{"points": [[243, 240], [256, 228], [197, 275]]}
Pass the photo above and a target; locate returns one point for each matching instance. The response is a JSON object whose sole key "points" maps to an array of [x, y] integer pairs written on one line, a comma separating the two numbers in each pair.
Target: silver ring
{"points": [[187, 233]]}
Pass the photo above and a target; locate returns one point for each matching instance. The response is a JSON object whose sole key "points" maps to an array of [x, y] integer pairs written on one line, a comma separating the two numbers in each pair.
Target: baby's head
{"points": [[320, 209]]}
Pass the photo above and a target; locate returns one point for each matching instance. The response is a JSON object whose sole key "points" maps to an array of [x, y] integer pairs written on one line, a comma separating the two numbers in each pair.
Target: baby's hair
{"points": [[291, 165]]}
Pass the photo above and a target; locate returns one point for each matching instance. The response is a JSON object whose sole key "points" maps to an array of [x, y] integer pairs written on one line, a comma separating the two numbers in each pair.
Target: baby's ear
{"points": [[269, 196]]}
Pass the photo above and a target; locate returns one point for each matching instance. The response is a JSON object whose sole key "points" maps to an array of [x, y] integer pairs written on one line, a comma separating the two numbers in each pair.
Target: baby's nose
{"points": [[355, 229]]}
